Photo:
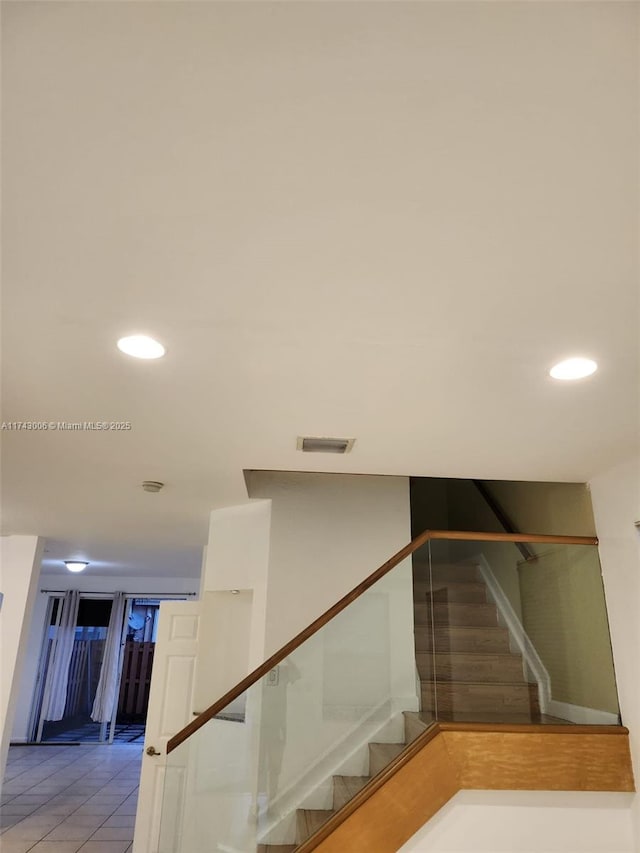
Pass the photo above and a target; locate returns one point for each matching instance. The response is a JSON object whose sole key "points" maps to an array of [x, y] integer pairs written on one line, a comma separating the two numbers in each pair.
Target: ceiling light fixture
{"points": [[573, 368], [141, 346], [152, 486], [76, 565]]}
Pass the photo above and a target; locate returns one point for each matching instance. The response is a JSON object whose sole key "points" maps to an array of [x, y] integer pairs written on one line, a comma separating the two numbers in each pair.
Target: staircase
{"points": [[346, 787], [459, 640], [467, 670]]}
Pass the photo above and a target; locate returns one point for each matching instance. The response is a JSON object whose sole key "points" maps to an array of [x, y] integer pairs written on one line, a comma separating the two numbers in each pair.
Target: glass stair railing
{"points": [[456, 627]]}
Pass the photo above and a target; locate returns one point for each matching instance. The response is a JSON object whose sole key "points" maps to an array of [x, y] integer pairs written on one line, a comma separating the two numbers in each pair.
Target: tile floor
{"points": [[90, 733], [65, 799]]}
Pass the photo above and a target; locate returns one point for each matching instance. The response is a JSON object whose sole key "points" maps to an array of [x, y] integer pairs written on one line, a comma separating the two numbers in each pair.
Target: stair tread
{"points": [[473, 655], [468, 613], [480, 697], [444, 582], [445, 571], [496, 717], [276, 848], [352, 782], [447, 682], [418, 715], [462, 639], [446, 666], [460, 594], [472, 604], [317, 814], [382, 754], [346, 787], [309, 821], [447, 627], [387, 748], [464, 628], [415, 722], [425, 720]]}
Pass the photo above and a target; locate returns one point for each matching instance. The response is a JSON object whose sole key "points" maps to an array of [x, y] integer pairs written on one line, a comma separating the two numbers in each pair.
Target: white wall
{"points": [[237, 553], [328, 532], [19, 569], [237, 557], [220, 805], [528, 822], [84, 583], [616, 505], [308, 539]]}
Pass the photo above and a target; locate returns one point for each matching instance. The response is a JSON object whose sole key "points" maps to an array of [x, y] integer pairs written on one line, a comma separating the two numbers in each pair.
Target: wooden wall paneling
{"points": [[541, 761], [454, 756], [391, 815]]}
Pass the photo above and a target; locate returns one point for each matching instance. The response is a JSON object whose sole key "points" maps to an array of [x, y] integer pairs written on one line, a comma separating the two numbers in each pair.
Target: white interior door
{"points": [[170, 709]]}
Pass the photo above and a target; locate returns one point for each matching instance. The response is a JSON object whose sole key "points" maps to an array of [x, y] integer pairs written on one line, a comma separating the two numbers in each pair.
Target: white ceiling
{"points": [[373, 220]]}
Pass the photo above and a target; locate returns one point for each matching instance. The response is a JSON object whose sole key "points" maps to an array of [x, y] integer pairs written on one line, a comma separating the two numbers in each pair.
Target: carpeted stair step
{"points": [[461, 638], [276, 848], [523, 719], [310, 820], [444, 572], [470, 592], [381, 754], [469, 697], [469, 615], [415, 722], [346, 787], [470, 666]]}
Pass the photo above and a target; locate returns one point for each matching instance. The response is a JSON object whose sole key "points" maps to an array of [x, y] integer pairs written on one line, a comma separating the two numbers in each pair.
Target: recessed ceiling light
{"points": [[573, 368], [76, 565], [141, 346]]}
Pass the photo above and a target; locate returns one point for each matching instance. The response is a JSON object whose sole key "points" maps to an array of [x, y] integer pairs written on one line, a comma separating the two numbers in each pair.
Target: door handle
{"points": [[151, 750]]}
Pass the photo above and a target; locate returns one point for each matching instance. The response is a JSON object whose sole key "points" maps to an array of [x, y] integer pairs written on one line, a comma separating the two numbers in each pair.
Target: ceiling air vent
{"points": [[325, 445]]}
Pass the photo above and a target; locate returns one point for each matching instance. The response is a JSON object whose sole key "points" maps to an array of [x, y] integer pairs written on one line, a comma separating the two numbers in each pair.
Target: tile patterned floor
{"points": [[65, 799], [90, 733]]}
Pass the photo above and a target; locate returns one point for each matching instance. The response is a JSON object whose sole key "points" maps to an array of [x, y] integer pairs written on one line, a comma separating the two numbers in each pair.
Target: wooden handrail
{"points": [[344, 602], [501, 515], [510, 537]]}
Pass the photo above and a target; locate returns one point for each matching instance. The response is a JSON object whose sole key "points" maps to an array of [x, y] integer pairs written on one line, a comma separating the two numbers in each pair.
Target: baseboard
{"points": [[308, 789], [563, 710], [517, 633], [580, 715], [314, 784]]}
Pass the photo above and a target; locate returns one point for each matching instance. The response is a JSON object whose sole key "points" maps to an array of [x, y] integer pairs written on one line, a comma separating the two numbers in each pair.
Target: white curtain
{"points": [[110, 670], [58, 675]]}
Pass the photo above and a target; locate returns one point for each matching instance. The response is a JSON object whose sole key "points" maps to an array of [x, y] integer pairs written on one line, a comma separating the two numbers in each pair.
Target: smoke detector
{"points": [[152, 486]]}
